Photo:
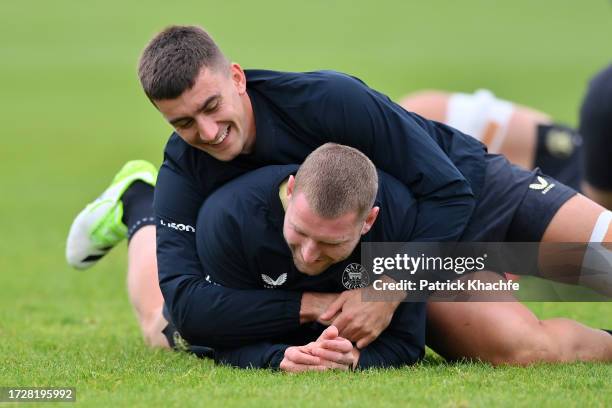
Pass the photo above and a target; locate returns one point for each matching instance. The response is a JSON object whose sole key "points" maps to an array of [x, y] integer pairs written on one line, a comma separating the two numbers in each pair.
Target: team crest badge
{"points": [[355, 276]]}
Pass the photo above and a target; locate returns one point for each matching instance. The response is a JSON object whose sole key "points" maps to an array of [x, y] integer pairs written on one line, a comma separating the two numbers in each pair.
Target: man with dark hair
{"points": [[185, 75], [228, 123], [217, 117], [170, 64]]}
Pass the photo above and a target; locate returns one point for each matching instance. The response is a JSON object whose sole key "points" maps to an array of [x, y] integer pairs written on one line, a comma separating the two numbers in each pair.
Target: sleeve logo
{"points": [[178, 227], [271, 283], [542, 185]]}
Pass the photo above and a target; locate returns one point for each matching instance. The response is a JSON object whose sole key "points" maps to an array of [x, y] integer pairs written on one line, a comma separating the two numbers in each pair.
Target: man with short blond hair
{"points": [[351, 180], [308, 230]]}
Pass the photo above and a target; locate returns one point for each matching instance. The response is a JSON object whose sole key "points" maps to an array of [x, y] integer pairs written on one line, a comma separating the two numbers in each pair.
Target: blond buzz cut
{"points": [[337, 179]]}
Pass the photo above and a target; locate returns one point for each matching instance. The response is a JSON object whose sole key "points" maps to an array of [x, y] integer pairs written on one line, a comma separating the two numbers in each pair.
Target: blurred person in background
{"points": [[580, 158]]}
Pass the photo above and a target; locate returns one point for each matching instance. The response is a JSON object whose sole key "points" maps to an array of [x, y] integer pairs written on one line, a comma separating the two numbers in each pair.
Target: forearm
{"points": [[215, 316], [211, 315], [313, 304], [204, 313]]}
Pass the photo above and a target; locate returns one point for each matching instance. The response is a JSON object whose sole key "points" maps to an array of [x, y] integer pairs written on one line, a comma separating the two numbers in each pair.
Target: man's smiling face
{"points": [[316, 242], [215, 115]]}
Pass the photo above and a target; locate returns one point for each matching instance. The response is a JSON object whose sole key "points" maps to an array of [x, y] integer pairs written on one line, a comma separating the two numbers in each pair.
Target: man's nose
{"points": [[310, 251], [207, 128]]}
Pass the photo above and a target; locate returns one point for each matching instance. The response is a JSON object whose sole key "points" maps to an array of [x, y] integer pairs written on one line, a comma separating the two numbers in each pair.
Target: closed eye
{"points": [[331, 244], [186, 124], [212, 107]]}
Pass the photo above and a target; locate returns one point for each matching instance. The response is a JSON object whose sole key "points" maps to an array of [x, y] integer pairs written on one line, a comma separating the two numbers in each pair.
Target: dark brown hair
{"points": [[173, 59]]}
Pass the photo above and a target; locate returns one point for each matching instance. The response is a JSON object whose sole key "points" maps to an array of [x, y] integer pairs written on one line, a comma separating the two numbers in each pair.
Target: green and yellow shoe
{"points": [[98, 228]]}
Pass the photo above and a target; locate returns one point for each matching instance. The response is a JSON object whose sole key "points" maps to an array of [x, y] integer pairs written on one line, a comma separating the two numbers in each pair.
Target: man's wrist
{"points": [[398, 296], [314, 304], [307, 308]]}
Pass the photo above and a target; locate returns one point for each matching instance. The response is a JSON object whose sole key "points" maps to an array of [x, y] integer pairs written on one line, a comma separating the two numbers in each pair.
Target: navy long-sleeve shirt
{"points": [[240, 241], [294, 114]]}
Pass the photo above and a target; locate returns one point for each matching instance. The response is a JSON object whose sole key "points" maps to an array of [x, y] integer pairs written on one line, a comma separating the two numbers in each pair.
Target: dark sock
{"points": [[137, 207]]}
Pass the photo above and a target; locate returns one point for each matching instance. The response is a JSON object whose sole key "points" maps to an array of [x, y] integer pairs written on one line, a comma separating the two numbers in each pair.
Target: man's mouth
{"points": [[219, 139]]}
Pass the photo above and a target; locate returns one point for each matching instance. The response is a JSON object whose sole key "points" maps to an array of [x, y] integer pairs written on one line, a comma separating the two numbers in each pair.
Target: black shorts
{"points": [[514, 205], [177, 342]]}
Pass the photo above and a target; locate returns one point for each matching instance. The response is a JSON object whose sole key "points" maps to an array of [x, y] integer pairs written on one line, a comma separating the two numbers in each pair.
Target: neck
{"points": [[250, 124]]}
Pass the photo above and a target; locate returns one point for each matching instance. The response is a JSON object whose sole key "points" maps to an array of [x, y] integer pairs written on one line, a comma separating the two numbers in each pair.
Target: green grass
{"points": [[72, 112]]}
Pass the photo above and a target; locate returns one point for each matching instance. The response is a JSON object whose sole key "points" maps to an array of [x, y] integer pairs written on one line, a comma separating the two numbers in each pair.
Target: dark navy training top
{"points": [[596, 130], [240, 241], [294, 114]]}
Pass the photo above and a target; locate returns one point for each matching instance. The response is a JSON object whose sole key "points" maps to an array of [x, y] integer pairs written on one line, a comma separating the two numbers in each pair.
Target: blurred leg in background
{"points": [[529, 138]]}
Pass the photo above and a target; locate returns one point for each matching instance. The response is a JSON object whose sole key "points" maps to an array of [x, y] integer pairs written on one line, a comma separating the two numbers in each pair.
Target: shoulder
{"points": [[255, 76], [248, 193], [320, 82], [262, 179], [393, 192], [398, 208], [193, 168], [321, 103], [180, 159], [176, 148], [176, 194], [603, 78], [598, 100]]}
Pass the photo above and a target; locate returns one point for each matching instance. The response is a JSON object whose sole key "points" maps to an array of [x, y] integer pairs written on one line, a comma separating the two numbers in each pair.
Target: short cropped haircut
{"points": [[173, 59], [337, 179]]}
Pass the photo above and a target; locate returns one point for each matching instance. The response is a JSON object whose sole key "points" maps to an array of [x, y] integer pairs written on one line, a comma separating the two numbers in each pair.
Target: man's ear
{"points": [[370, 219], [239, 78], [290, 185]]}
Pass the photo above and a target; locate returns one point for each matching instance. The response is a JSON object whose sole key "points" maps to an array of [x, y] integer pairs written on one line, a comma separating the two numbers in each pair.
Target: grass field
{"points": [[72, 112]]}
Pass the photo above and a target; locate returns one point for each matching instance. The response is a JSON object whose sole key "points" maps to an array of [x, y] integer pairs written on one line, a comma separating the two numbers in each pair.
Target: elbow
{"points": [[196, 328], [195, 321]]}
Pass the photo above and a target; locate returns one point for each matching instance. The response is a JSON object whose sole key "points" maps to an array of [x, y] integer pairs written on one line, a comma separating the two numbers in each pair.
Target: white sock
{"points": [[596, 272]]}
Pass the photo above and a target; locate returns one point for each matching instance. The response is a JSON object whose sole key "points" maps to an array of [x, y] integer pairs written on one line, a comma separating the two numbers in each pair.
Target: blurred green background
{"points": [[72, 112]]}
